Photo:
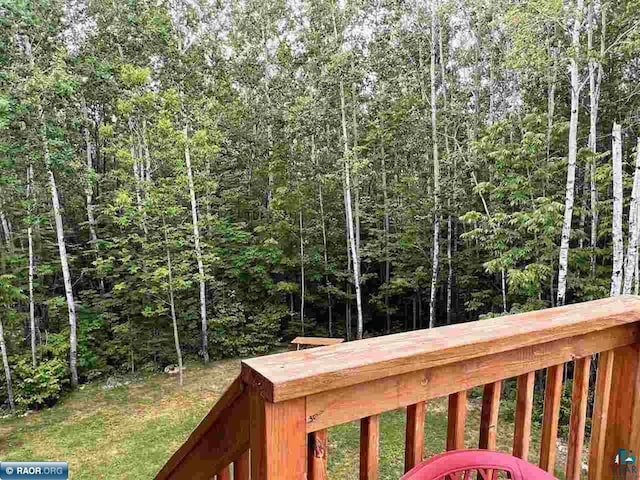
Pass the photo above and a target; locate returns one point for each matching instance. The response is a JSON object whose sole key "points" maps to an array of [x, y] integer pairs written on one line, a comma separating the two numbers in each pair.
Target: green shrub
{"points": [[36, 387]]}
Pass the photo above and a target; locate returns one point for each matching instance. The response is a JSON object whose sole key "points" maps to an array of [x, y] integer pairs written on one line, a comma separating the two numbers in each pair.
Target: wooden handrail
{"points": [[219, 439], [291, 375], [273, 419]]}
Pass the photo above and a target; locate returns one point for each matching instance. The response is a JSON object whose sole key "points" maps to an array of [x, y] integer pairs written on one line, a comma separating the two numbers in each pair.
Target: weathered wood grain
{"points": [[369, 447], [278, 439], [297, 374], [456, 420], [318, 444], [342, 405], [414, 435], [489, 415], [578, 418], [524, 409], [597, 460], [550, 417]]}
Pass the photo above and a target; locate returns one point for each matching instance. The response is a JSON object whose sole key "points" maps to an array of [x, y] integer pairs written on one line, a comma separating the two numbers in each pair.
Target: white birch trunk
{"points": [[302, 280], [32, 315], [89, 186], [595, 78], [314, 160], [66, 275], [387, 228], [349, 214], [6, 230], [436, 177], [7, 370], [204, 346], [147, 154], [616, 228], [632, 247], [174, 319], [563, 263]]}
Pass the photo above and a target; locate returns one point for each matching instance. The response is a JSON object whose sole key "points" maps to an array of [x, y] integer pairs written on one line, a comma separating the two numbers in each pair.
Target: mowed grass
{"points": [[128, 432]]}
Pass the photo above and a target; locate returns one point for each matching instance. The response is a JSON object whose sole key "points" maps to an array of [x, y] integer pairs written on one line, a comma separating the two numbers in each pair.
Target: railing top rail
{"points": [[296, 374]]}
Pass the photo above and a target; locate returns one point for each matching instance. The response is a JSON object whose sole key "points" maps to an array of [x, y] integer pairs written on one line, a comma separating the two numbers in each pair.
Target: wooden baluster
{"points": [[414, 436], [489, 415], [600, 415], [278, 439], [369, 447], [224, 474], [457, 417], [318, 449], [242, 467], [623, 426], [550, 418], [578, 417], [524, 408]]}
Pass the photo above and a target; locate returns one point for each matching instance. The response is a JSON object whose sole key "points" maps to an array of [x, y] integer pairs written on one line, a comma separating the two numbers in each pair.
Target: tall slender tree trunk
{"points": [[32, 314], [7, 370], [137, 180], [302, 277], [563, 263], [355, 260], [314, 160], [387, 228], [616, 224], [66, 275], [147, 153], [204, 345], [174, 319], [93, 236], [6, 231], [436, 176], [595, 78], [632, 248]]}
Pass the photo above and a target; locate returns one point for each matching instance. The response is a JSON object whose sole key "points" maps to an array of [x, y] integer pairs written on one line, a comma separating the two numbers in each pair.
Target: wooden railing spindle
{"points": [[550, 418], [578, 418], [457, 417], [600, 414], [278, 439], [242, 467], [318, 450], [369, 447], [224, 474], [524, 409], [489, 415], [414, 435]]}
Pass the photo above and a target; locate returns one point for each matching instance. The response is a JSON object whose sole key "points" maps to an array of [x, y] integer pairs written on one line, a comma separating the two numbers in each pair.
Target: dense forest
{"points": [[204, 178]]}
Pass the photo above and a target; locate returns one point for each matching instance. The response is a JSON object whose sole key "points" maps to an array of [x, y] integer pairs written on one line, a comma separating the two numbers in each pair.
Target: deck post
{"points": [[623, 427], [278, 439]]}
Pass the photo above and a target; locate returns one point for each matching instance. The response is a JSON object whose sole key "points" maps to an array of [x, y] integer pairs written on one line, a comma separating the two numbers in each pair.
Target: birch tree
{"points": [[7, 370], [632, 246], [574, 69], [616, 228], [595, 79], [436, 174], [32, 315], [198, 250]]}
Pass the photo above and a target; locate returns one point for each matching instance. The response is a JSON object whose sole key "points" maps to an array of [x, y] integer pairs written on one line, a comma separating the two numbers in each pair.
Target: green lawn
{"points": [[128, 432]]}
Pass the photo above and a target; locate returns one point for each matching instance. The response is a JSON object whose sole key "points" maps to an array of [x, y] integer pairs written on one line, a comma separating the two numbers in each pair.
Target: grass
{"points": [[128, 432]]}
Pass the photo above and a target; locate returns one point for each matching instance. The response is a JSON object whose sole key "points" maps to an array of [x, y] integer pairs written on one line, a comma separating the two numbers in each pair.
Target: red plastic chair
{"points": [[462, 464]]}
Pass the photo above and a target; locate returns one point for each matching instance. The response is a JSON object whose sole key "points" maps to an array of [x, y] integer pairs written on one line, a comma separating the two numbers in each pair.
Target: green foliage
{"points": [[40, 386]]}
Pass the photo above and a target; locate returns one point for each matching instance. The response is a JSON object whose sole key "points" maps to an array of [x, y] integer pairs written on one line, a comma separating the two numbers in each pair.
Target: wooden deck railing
{"points": [[272, 422]]}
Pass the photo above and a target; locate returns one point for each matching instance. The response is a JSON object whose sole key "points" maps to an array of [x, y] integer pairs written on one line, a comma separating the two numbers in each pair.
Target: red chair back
{"points": [[475, 464]]}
